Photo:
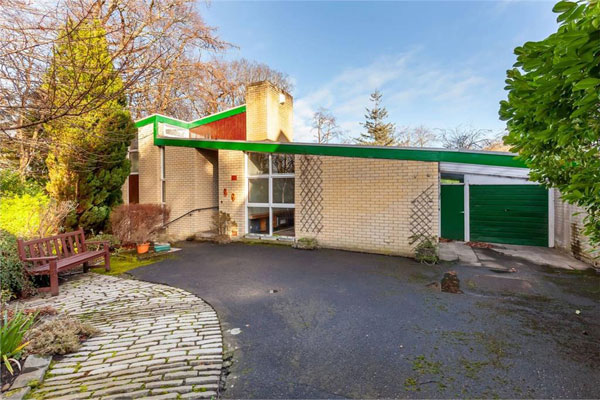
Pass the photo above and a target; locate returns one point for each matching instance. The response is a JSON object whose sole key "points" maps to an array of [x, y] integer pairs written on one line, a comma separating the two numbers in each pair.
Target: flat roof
{"points": [[491, 158]]}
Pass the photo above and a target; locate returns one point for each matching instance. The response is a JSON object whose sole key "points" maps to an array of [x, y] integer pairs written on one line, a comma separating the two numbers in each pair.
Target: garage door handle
{"points": [[506, 209], [462, 212]]}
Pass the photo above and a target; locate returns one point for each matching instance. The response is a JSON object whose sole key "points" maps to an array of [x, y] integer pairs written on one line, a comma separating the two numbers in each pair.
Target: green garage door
{"points": [[513, 214]]}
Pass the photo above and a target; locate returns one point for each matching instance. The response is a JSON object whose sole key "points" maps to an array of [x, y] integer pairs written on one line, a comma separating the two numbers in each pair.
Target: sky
{"points": [[440, 64]]}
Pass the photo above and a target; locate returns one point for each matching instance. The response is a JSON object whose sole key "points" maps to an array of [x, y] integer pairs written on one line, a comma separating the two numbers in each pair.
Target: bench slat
{"points": [[67, 263]]}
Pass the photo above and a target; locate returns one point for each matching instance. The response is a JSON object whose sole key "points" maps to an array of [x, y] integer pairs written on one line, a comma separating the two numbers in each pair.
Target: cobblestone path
{"points": [[156, 342]]}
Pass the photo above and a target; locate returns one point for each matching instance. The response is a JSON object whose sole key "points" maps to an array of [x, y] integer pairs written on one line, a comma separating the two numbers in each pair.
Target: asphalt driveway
{"points": [[333, 324]]}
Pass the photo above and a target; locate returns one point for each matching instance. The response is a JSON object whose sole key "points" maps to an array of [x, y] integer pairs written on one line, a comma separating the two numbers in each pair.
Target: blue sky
{"points": [[438, 64]]}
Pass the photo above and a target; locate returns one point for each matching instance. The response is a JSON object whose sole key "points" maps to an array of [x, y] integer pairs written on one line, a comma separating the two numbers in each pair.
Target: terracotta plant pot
{"points": [[143, 248]]}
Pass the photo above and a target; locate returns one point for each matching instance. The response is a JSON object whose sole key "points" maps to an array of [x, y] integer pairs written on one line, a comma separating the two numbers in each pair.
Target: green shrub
{"points": [[306, 243], [12, 332], [30, 216], [60, 335], [13, 279], [426, 251], [112, 240], [21, 214], [11, 184]]}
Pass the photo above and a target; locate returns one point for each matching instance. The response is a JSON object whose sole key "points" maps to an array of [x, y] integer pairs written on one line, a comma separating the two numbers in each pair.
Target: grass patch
{"points": [[124, 262]]}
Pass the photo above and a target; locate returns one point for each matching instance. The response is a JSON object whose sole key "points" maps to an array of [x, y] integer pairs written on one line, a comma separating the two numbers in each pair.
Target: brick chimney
{"points": [[269, 113]]}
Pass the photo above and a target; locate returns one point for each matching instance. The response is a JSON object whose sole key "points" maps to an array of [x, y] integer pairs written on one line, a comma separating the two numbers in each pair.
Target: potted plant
{"points": [[136, 223]]}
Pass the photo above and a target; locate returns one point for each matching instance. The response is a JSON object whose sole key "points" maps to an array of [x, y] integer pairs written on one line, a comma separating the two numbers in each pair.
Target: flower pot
{"points": [[143, 248]]}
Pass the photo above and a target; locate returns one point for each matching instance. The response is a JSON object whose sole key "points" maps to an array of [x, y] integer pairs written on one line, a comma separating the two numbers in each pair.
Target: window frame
{"points": [[270, 205], [135, 150]]}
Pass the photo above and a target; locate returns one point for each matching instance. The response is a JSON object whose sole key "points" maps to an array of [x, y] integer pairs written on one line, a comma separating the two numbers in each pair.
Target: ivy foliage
{"points": [[87, 162], [553, 108]]}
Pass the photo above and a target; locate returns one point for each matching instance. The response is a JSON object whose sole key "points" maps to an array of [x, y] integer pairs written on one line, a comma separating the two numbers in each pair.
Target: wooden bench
{"points": [[55, 254]]}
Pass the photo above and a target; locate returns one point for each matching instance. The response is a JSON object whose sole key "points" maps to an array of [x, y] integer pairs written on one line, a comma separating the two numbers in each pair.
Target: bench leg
{"points": [[86, 267], [53, 278], [107, 261]]}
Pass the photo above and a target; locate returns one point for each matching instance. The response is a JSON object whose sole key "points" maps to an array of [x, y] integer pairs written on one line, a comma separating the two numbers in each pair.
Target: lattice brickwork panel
{"points": [[311, 194], [421, 217]]}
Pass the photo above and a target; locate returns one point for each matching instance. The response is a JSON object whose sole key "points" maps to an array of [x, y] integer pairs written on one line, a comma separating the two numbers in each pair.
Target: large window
{"points": [[271, 194]]}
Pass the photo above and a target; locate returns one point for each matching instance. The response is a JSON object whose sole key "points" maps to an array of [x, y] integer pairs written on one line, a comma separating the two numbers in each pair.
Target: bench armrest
{"points": [[48, 258]]}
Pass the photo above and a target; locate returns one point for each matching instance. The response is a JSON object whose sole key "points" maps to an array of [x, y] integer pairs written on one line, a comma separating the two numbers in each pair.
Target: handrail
{"points": [[187, 213]]}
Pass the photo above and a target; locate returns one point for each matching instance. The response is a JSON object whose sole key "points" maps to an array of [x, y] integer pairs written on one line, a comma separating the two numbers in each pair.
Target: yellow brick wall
{"points": [[366, 203], [149, 166], [190, 184], [266, 117], [233, 163]]}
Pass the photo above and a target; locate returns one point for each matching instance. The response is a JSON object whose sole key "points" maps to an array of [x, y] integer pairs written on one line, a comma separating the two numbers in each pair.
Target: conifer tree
{"points": [[379, 132], [87, 160]]}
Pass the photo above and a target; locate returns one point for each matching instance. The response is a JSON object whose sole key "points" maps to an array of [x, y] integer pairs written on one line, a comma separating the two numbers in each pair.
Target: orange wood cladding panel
{"points": [[232, 128]]}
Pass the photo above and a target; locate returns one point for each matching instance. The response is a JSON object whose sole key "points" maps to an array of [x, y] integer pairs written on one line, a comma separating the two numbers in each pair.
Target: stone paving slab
{"points": [[156, 342]]}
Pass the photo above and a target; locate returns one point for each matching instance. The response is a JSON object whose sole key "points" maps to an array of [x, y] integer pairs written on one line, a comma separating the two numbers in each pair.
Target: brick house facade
{"points": [[244, 162]]}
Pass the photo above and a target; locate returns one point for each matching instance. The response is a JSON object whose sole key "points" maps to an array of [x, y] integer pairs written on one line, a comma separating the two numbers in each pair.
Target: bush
{"points": [[20, 215], [136, 223], [12, 332], [426, 251], [13, 278], [306, 243], [60, 335], [11, 184], [112, 240], [221, 223], [34, 215]]}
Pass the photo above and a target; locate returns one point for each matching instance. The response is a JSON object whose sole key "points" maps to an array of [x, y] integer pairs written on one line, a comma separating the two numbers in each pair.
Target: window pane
{"points": [[258, 164], [283, 190], [134, 157], [258, 220], [258, 190], [283, 163], [283, 221], [174, 131]]}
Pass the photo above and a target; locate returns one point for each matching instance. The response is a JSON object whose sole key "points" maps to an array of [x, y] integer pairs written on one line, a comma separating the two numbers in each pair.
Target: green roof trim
{"points": [[155, 118], [392, 153]]}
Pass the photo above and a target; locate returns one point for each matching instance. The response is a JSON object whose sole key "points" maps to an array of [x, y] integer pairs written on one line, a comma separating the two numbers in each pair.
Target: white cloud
{"points": [[416, 91]]}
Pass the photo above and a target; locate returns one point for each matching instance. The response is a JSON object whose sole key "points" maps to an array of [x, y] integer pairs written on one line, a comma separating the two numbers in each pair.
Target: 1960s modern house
{"points": [[243, 161]]}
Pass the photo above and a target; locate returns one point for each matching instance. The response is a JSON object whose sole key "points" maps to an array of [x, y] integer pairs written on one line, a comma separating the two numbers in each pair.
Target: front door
{"points": [[453, 212]]}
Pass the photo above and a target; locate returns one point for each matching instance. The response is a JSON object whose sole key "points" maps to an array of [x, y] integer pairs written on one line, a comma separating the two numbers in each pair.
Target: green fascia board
{"points": [[391, 153], [156, 118], [432, 155]]}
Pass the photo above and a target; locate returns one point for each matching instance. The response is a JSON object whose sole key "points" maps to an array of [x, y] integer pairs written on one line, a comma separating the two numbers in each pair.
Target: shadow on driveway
{"points": [[333, 324]]}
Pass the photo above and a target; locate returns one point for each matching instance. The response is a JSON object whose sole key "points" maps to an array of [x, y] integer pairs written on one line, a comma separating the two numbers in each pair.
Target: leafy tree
{"points": [[87, 162], [379, 132], [553, 108]]}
